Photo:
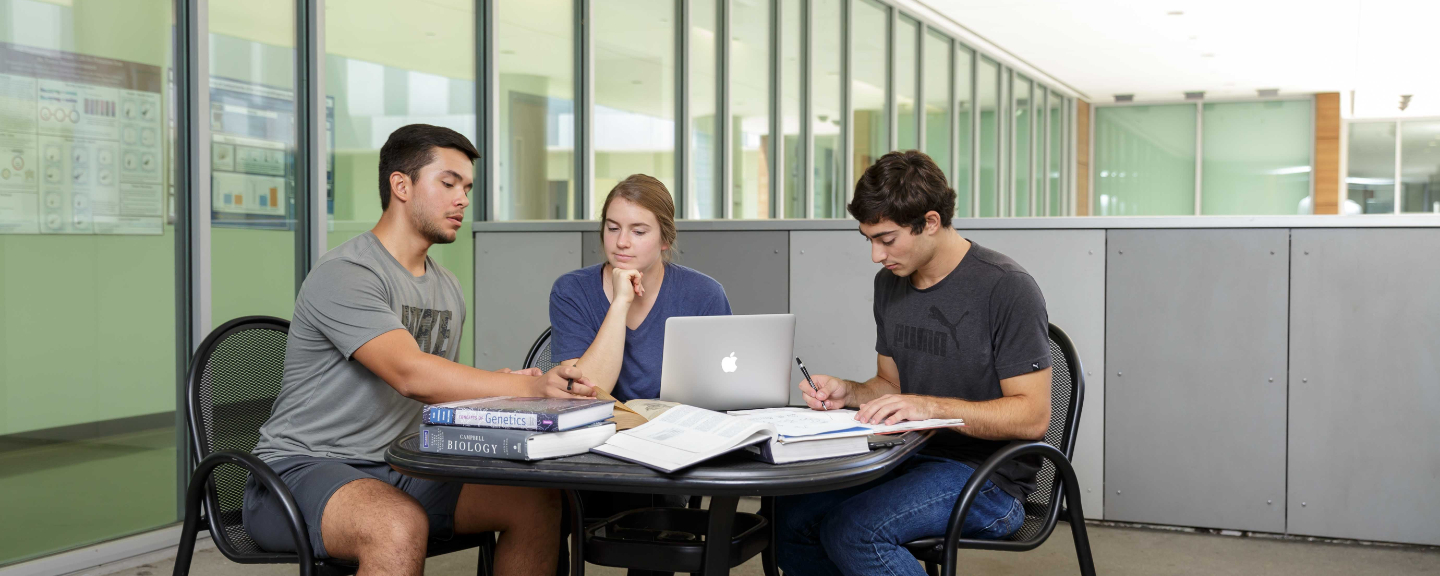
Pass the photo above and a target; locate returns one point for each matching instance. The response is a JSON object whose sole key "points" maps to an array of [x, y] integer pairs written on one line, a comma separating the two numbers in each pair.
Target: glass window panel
{"points": [[704, 154], [1370, 182], [826, 116], [964, 110], [1022, 99], [907, 38], [938, 102], [1257, 157], [750, 108], [634, 115], [1057, 155], [1145, 160], [988, 101], [536, 96], [793, 196], [87, 274], [1420, 166], [252, 179], [378, 82], [868, 67]]}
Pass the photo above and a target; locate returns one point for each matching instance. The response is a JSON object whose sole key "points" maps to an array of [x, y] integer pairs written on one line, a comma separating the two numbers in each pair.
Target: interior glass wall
{"points": [[1145, 160], [1420, 166], [749, 83], [939, 103], [87, 274], [535, 91], [707, 198], [1055, 164], [634, 116], [792, 193], [987, 95], [1257, 157], [1370, 181], [869, 65], [377, 82], [907, 38], [1022, 150], [964, 130], [826, 117]]}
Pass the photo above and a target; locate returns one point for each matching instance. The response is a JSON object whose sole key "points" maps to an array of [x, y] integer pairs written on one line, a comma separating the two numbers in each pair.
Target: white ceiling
{"points": [[1228, 48]]}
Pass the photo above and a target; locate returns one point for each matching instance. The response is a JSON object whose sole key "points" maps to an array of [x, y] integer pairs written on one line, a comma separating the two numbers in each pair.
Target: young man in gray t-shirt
{"points": [[375, 335], [961, 332]]}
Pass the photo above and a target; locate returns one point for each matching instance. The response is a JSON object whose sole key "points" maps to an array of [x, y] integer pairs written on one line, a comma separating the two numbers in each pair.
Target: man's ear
{"points": [[399, 186], [932, 222]]}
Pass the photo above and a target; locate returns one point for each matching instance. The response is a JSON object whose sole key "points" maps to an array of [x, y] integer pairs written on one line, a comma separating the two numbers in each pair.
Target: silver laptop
{"points": [[728, 362]]}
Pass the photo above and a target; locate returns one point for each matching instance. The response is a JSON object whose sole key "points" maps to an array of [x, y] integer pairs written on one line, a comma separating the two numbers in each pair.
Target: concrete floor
{"points": [[1117, 552]]}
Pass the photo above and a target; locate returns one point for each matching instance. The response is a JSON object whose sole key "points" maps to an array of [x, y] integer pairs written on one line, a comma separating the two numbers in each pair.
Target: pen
{"points": [[808, 379]]}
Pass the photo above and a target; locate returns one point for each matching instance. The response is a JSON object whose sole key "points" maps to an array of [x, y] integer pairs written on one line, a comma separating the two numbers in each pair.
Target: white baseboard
{"points": [[109, 557]]}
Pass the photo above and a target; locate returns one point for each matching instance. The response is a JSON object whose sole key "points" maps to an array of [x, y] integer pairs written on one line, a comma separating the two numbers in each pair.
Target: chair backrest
{"points": [[1067, 395], [539, 355], [230, 392]]}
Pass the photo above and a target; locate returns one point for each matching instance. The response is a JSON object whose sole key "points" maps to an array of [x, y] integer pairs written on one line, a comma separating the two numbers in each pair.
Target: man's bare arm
{"points": [[1022, 413], [397, 359]]}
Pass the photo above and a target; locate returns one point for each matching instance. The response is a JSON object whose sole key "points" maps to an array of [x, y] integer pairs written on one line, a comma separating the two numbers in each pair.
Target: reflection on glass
{"points": [[377, 85], [868, 67], [965, 110], [634, 94], [826, 116], [938, 103], [1420, 166], [1020, 168], [907, 37], [252, 100], [792, 195], [1257, 158], [704, 185], [1370, 182], [1145, 160], [750, 109], [87, 300], [1057, 155], [536, 96], [988, 97]]}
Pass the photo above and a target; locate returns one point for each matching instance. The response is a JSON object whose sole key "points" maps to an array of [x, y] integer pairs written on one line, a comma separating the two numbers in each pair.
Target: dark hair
{"points": [[410, 148], [650, 194], [901, 187]]}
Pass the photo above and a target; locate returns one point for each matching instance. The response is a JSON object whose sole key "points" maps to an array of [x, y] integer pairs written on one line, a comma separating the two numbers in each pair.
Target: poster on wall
{"points": [[80, 144], [252, 155]]}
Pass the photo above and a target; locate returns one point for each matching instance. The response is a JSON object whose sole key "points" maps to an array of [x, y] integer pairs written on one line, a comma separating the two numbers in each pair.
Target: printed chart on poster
{"points": [[252, 154], [80, 144]]}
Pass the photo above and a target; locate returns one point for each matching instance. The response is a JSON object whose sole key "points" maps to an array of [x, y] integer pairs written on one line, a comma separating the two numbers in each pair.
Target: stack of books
{"points": [[514, 428]]}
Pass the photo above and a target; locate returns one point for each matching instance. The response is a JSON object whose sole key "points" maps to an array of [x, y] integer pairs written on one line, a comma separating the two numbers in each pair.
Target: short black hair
{"points": [[902, 187], [411, 147]]}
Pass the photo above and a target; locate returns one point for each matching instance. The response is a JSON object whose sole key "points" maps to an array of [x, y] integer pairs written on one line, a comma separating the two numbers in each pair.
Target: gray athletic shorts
{"points": [[312, 480]]}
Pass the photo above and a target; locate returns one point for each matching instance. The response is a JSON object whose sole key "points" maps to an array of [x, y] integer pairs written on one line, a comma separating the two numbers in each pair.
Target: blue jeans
{"points": [[862, 530]]}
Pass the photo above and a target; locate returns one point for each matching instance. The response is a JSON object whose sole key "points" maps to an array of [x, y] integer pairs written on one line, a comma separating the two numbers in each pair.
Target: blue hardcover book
{"points": [[538, 414]]}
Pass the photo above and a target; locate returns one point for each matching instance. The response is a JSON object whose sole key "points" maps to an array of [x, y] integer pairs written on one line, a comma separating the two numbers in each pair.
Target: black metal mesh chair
{"points": [[539, 354], [230, 391], [1042, 507]]}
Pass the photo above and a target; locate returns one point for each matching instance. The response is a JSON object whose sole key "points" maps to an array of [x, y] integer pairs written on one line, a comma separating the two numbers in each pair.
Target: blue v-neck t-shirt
{"points": [[578, 306]]}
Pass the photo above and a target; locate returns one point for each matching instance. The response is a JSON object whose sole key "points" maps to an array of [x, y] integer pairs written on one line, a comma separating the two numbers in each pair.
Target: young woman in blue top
{"points": [[610, 318]]}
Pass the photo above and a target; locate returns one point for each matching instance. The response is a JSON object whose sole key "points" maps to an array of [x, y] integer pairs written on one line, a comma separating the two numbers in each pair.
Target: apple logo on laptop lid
{"points": [[728, 363]]}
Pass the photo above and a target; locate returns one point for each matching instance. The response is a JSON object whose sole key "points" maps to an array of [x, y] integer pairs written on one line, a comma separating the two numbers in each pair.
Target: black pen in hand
{"points": [[811, 381]]}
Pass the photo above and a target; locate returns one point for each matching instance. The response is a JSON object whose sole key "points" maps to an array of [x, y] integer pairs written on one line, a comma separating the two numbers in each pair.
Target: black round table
{"points": [[725, 479]]}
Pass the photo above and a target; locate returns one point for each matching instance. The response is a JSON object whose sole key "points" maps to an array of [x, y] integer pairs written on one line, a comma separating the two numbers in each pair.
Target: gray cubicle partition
{"points": [[1197, 314]]}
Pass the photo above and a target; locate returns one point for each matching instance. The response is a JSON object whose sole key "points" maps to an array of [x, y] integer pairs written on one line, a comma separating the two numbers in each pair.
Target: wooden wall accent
{"points": [[1082, 158], [1327, 153]]}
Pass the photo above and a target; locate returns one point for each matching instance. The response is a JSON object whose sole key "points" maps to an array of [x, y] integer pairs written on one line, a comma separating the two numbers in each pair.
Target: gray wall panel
{"points": [[1196, 325], [513, 275], [754, 267], [1069, 265], [591, 245], [1365, 385], [832, 291]]}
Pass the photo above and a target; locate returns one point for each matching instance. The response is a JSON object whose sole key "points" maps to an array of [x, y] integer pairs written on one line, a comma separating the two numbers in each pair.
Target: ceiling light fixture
{"points": [[1175, 13], [1208, 55], [1268, 92], [1196, 95], [1124, 97]]}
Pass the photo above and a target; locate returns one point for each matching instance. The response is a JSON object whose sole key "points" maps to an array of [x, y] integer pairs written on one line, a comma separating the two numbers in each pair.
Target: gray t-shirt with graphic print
{"points": [[329, 404]]}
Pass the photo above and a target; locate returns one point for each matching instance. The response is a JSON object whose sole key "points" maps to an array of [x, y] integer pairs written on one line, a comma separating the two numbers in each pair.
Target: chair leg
{"points": [[932, 569], [485, 564], [186, 550], [767, 556], [1082, 543]]}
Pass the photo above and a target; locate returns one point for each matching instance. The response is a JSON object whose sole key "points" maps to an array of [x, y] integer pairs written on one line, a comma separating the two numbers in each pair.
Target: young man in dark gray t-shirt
{"points": [[961, 332], [375, 335]]}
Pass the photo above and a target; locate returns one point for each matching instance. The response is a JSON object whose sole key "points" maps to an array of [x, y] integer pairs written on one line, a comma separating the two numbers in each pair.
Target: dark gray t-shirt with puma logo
{"points": [[330, 405], [981, 324]]}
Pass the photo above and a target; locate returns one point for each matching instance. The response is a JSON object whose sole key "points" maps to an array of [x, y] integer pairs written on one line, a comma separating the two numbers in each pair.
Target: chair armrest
{"points": [[266, 477], [1011, 451]]}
